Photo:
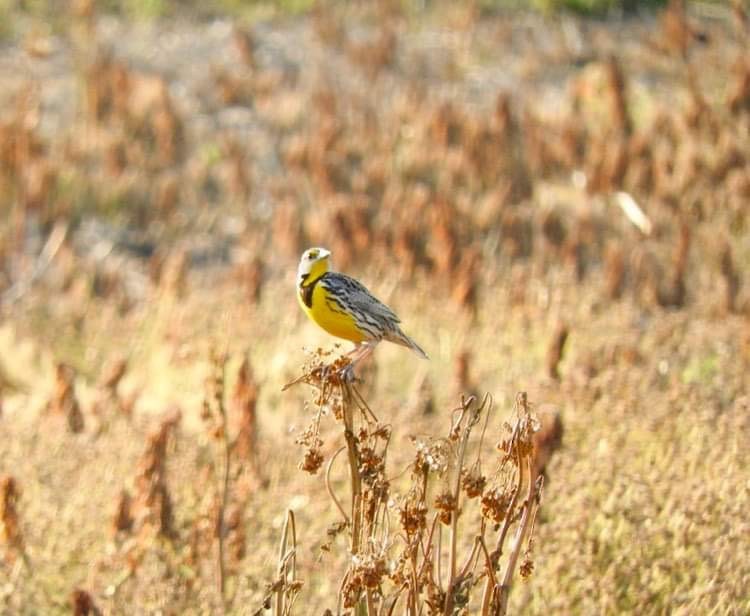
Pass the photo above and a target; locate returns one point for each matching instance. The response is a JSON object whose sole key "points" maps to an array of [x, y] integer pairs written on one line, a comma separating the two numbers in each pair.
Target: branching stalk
{"points": [[353, 456], [285, 556], [523, 527]]}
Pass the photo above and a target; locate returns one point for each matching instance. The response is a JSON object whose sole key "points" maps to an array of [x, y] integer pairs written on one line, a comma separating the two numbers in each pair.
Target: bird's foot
{"points": [[347, 374]]}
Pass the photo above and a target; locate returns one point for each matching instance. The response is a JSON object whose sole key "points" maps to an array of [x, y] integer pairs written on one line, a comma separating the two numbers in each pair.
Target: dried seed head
{"points": [[495, 504], [152, 505], [371, 464], [83, 604], [547, 439], [236, 536], [435, 599], [123, 518], [413, 516], [461, 372], [473, 482], [351, 590], [244, 401], [369, 569], [399, 572], [527, 567], [366, 571], [520, 442], [9, 519], [381, 432], [64, 400], [556, 350], [312, 461], [333, 531], [431, 455], [445, 503]]}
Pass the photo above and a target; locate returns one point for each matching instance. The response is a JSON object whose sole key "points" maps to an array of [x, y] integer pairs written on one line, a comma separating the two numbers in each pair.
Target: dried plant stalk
{"points": [[556, 350], [731, 278], [152, 503], [284, 590], [215, 416], [83, 604], [11, 526], [410, 564], [518, 450], [64, 401], [245, 401]]}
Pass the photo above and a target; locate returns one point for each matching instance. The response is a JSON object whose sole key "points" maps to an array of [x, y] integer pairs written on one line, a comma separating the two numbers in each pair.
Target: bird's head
{"points": [[314, 263]]}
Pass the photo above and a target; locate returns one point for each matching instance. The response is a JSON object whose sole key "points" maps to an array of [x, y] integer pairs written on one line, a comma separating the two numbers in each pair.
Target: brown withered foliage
{"points": [[731, 278], [64, 401], [116, 93], [244, 401], [378, 53], [236, 536], [422, 397], [152, 508], [614, 271], [236, 169], [677, 30], [83, 604], [12, 536], [244, 45], [556, 350], [619, 106], [465, 281], [252, 276], [672, 293], [476, 172], [463, 380], [122, 521], [226, 507], [547, 439], [738, 99]]}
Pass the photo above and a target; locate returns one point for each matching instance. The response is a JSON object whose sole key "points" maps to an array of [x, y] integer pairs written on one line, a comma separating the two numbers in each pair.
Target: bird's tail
{"points": [[401, 338]]}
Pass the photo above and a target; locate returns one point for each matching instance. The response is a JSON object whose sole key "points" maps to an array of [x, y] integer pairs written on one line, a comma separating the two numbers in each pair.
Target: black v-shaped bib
{"points": [[307, 291]]}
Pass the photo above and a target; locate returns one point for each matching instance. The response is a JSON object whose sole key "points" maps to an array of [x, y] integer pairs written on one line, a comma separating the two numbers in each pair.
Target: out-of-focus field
{"points": [[508, 183]]}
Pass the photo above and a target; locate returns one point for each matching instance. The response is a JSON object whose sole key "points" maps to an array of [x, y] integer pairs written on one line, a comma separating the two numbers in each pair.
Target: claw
{"points": [[360, 352], [347, 373]]}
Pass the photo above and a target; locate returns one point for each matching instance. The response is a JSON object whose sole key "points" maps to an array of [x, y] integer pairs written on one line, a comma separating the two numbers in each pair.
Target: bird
{"points": [[344, 307]]}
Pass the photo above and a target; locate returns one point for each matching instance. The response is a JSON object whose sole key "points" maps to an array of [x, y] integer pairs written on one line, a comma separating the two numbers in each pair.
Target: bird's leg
{"points": [[357, 354]]}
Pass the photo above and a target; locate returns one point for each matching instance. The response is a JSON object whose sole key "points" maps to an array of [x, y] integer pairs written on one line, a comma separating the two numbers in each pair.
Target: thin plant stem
{"points": [[330, 488], [224, 489], [282, 560], [353, 455], [523, 527], [469, 423]]}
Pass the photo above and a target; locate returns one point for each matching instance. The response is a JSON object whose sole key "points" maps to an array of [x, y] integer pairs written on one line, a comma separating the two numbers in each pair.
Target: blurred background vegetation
{"points": [[146, 9]]}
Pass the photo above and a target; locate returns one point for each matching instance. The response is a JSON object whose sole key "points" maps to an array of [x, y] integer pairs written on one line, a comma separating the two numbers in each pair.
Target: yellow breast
{"points": [[326, 313]]}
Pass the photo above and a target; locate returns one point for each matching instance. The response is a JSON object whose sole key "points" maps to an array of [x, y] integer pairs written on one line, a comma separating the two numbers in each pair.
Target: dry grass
{"points": [[590, 252]]}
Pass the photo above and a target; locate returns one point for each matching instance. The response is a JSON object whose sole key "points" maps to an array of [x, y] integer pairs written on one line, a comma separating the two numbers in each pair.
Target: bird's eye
{"points": [[312, 255]]}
